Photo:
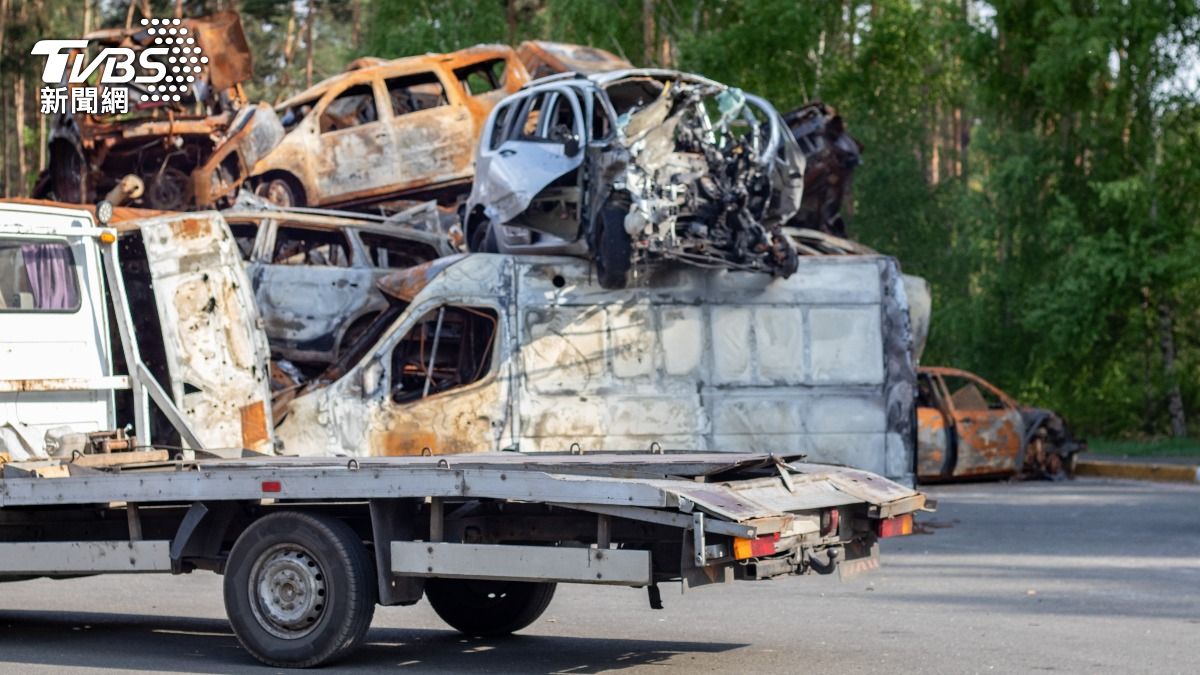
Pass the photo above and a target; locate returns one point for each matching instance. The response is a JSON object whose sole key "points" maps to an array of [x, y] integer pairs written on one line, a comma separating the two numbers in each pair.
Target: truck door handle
{"points": [[507, 153]]}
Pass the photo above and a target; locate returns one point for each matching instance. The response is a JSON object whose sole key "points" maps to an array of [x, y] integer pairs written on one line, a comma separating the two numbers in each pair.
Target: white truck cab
{"points": [[87, 342]]}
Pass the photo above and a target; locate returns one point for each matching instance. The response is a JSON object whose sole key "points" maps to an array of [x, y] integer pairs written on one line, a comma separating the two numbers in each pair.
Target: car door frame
{"points": [[503, 208], [457, 106], [380, 404], [962, 439], [383, 139]]}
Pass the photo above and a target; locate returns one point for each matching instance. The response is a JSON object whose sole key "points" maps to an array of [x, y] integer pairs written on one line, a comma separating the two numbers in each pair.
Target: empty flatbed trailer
{"points": [[308, 547]]}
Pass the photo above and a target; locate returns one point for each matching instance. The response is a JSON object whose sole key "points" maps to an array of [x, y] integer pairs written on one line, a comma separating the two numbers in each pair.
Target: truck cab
{"points": [[103, 319]]}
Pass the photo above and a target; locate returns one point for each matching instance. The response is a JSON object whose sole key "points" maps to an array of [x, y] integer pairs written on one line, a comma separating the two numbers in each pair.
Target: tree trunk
{"points": [[356, 23], [308, 42], [648, 40], [4, 138], [87, 16], [289, 50], [1166, 343], [935, 159], [41, 143], [4, 7], [510, 21], [22, 164]]}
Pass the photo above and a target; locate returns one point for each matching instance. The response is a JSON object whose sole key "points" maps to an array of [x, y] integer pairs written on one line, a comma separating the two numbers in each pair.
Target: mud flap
{"points": [[861, 558]]}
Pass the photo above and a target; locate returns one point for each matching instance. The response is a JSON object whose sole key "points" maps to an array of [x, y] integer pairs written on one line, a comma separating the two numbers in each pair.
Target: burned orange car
{"points": [[192, 152], [967, 428], [388, 129]]}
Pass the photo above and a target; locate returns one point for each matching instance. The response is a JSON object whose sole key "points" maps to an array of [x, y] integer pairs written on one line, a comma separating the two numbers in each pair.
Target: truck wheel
{"points": [[488, 608], [616, 249], [298, 589]]}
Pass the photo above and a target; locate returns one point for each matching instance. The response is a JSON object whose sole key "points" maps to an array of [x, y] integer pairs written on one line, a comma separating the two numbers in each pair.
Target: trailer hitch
{"points": [[827, 566]]}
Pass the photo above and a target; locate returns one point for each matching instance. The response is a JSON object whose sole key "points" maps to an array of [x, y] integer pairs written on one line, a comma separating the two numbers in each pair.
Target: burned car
{"points": [[542, 58], [967, 428], [388, 129], [831, 154], [633, 165], [169, 155], [314, 274]]}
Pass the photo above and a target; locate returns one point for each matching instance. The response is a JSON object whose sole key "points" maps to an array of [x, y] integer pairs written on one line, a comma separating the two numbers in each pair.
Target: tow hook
{"points": [[827, 566]]}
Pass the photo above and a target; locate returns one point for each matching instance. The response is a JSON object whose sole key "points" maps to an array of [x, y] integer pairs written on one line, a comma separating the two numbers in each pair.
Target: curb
{"points": [[1171, 473]]}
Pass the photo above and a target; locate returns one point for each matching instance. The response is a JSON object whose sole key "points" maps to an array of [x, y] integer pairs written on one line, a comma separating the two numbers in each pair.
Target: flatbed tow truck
{"points": [[308, 546]]}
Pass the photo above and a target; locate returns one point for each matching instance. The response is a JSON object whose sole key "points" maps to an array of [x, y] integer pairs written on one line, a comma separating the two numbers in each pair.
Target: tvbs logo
{"points": [[164, 70]]}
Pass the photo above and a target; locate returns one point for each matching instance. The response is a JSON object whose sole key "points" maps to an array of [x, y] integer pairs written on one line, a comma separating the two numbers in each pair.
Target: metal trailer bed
{"points": [[308, 547]]}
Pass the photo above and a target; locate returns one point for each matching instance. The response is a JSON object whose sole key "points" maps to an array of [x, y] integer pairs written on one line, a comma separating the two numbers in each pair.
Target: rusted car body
{"points": [[314, 274], [194, 152], [967, 428], [831, 155], [634, 165], [542, 58], [486, 353], [388, 129]]}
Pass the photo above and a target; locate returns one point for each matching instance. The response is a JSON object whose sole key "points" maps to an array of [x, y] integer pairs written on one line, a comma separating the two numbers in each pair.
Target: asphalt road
{"points": [[1080, 577]]}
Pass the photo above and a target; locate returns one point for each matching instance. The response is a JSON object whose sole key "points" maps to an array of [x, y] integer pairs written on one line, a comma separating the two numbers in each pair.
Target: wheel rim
{"points": [[277, 192], [287, 591]]}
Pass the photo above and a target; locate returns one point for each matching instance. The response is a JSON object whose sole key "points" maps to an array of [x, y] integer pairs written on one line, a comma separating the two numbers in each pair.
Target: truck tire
{"points": [[488, 608], [299, 589], [616, 249]]}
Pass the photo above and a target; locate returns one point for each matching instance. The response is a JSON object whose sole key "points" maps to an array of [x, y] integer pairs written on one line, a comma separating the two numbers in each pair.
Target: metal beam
{"points": [[521, 563], [84, 557]]}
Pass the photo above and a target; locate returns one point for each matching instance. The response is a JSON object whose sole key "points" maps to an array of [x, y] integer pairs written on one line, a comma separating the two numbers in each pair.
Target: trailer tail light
{"points": [[272, 486], [830, 520], [894, 527], [754, 548]]}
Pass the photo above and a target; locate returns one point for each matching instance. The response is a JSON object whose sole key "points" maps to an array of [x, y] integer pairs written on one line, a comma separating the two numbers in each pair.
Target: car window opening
{"points": [[450, 347], [413, 93], [298, 246], [353, 107]]}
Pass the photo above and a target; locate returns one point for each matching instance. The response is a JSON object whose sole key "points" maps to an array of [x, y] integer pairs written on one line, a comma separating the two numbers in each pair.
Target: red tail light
{"points": [[895, 527], [754, 548], [272, 486], [829, 522]]}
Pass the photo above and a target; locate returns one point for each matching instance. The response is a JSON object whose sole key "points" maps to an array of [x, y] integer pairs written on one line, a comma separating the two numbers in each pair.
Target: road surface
{"points": [[1079, 577]]}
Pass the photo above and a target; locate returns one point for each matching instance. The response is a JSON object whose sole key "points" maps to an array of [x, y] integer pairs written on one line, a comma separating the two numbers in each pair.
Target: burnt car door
{"points": [[445, 392], [432, 134], [534, 140], [207, 349], [356, 147], [987, 427], [935, 451], [310, 285]]}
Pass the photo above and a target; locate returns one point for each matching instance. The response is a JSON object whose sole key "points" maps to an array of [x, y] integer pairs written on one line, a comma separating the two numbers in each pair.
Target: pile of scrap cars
{"points": [[635, 195]]}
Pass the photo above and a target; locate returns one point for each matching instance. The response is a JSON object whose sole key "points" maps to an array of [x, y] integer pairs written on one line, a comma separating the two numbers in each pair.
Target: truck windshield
{"points": [[37, 276]]}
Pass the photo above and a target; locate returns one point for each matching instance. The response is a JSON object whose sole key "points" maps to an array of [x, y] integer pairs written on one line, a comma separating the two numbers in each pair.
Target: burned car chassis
{"points": [[636, 165]]}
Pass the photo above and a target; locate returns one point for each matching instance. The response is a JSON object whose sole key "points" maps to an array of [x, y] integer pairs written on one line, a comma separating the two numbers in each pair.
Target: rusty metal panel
{"points": [[217, 356], [933, 443], [220, 35], [989, 442]]}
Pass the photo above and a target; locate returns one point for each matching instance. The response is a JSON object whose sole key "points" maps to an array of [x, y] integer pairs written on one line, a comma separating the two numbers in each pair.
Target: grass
{"points": [[1153, 447]]}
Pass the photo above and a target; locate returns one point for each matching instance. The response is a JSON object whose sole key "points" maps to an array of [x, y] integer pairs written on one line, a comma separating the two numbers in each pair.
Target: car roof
{"points": [[367, 68]]}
